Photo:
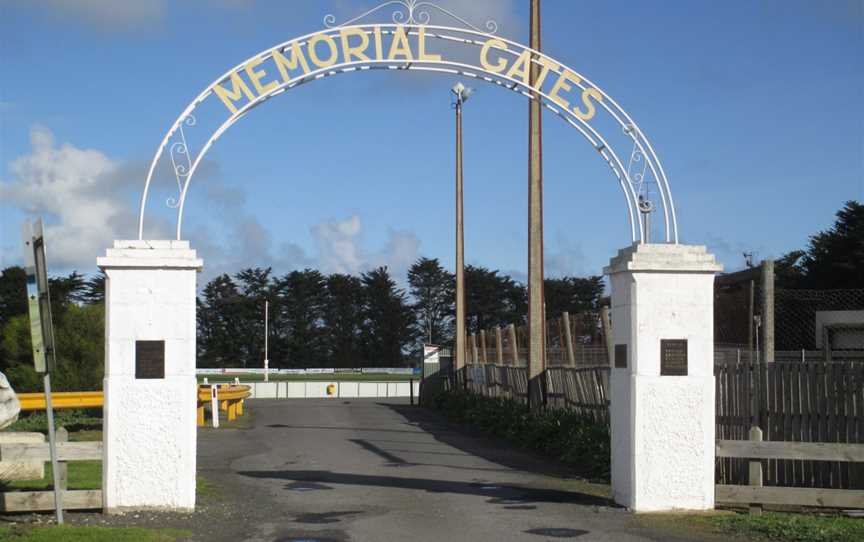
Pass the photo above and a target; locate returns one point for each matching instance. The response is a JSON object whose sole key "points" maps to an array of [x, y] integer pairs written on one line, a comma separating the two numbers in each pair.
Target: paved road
{"points": [[367, 470]]}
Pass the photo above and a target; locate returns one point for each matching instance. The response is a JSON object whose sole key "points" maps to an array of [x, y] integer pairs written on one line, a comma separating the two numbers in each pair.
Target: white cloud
{"points": [[89, 199], [78, 191]]}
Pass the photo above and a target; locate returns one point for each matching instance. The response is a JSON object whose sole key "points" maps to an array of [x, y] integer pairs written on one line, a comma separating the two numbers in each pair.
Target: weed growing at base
{"points": [[71, 533]]}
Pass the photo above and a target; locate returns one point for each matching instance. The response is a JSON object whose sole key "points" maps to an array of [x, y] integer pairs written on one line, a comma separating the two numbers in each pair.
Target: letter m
{"points": [[229, 97]]}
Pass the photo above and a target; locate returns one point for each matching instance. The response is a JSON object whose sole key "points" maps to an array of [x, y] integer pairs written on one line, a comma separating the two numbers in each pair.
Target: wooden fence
{"points": [[41, 501], [792, 402], [757, 452], [571, 340], [582, 389]]}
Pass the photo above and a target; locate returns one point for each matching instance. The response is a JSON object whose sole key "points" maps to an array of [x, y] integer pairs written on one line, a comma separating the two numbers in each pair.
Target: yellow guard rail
{"points": [[230, 397]]}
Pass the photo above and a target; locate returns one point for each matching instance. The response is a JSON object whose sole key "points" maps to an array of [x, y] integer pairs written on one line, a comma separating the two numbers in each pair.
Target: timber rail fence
{"points": [[40, 501], [804, 408]]}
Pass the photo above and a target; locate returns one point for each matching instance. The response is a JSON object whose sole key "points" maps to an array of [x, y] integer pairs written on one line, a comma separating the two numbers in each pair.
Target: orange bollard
{"points": [[232, 411], [200, 415]]}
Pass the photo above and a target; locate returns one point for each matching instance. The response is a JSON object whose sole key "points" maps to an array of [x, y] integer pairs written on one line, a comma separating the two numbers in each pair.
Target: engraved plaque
{"points": [[620, 356], [673, 357], [149, 359]]}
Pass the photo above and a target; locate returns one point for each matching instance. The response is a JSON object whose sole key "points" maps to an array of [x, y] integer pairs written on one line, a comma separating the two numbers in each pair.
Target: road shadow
{"points": [[508, 494], [492, 449]]}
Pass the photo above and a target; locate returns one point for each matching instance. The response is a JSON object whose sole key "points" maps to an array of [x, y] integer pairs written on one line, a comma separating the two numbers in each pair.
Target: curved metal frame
{"points": [[469, 36]]}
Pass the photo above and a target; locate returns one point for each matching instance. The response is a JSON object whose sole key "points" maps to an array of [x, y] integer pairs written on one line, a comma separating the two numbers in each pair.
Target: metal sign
{"points": [[38, 297], [412, 43], [149, 359], [673, 357]]}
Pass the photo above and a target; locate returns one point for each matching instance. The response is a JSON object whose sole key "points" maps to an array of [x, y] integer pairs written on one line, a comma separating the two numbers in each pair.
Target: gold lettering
{"points": [[297, 58], [379, 55], [256, 77], [521, 67], [561, 84], [228, 97], [545, 65], [313, 54], [358, 50], [400, 45], [589, 106], [421, 47], [499, 66]]}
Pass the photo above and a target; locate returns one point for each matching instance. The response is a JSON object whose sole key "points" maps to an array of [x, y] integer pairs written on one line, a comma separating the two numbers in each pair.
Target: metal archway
{"points": [[409, 23]]}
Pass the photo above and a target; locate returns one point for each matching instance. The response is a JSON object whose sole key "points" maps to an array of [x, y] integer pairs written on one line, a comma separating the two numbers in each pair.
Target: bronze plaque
{"points": [[673, 357], [620, 356], [149, 359]]}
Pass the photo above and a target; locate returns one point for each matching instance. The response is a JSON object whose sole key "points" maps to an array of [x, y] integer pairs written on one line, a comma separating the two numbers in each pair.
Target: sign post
{"points": [[42, 335]]}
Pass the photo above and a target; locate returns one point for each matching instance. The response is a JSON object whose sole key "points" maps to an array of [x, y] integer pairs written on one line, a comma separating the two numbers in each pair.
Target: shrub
{"points": [[567, 436]]}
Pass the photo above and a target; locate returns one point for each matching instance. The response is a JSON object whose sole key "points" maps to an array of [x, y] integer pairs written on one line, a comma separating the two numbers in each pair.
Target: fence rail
{"points": [[756, 451], [41, 501]]}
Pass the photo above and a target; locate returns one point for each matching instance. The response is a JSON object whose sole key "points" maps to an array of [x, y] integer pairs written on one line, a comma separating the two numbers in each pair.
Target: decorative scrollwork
{"points": [[181, 159], [410, 12]]}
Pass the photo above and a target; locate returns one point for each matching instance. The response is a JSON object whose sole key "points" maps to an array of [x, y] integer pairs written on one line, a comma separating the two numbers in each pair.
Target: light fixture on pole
{"points": [[461, 93]]}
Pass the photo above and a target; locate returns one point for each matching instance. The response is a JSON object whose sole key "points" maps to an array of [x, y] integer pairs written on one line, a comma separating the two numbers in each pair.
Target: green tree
{"points": [[342, 319], [833, 259], [572, 294], [13, 294], [219, 318], [388, 323], [300, 310], [79, 336], [492, 299], [433, 289]]}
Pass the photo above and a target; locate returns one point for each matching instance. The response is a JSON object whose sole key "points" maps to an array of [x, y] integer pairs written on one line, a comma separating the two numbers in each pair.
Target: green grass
{"points": [[792, 527], [82, 474], [71, 533], [344, 377], [770, 526]]}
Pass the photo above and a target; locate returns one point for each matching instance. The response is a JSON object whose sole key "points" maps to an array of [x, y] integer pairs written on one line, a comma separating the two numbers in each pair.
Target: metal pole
{"points": [[460, 248], [536, 318], [52, 447], [266, 335]]}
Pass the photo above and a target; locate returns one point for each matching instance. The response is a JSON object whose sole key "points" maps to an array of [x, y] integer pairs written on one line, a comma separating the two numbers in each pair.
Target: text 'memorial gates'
{"points": [[411, 43]]}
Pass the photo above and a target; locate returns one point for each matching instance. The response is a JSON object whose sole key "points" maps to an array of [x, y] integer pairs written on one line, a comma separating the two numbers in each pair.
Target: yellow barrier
{"points": [[231, 399], [62, 399]]}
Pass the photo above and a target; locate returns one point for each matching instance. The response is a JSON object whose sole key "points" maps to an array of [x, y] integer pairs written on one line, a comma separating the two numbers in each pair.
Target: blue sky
{"points": [[755, 109]]}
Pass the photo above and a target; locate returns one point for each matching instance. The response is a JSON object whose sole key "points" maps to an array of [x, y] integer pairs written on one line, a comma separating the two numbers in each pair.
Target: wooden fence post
{"points": [[474, 358], [61, 477], [483, 346], [499, 346], [755, 470], [514, 347], [568, 338], [606, 326]]}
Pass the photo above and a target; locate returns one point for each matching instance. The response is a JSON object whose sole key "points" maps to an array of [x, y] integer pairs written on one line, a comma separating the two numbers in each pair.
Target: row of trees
{"points": [[77, 305], [347, 321]]}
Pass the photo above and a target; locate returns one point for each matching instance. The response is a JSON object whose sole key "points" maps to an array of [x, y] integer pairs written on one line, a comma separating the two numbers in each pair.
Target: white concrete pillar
{"points": [[662, 381], [149, 426]]}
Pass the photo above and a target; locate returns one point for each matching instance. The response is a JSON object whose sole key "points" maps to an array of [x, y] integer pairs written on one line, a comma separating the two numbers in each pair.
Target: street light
{"points": [[461, 94]]}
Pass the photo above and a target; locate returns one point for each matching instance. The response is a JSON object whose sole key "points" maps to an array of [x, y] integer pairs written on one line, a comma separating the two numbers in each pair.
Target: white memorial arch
{"points": [[662, 422]]}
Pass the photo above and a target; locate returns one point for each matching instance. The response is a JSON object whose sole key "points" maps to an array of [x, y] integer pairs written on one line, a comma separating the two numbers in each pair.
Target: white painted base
{"points": [[668, 464], [151, 428]]}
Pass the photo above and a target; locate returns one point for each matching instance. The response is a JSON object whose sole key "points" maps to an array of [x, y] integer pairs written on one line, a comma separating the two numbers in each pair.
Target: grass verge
{"points": [[71, 533], [770, 526]]}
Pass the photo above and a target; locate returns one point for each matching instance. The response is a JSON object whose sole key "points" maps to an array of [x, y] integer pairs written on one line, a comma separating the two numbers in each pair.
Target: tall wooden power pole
{"points": [[536, 316]]}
